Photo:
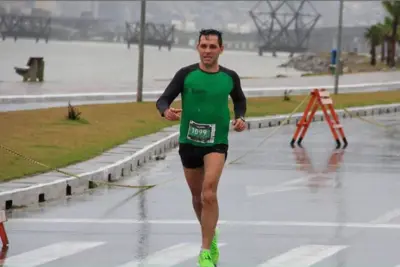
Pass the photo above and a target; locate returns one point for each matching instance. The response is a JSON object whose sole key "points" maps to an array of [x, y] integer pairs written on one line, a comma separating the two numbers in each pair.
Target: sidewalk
{"points": [[14, 93]]}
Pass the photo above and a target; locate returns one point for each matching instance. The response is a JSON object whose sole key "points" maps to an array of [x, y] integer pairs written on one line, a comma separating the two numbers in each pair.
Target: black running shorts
{"points": [[192, 156]]}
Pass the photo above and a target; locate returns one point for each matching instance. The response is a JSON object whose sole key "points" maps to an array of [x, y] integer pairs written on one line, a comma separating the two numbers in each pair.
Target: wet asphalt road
{"points": [[296, 207]]}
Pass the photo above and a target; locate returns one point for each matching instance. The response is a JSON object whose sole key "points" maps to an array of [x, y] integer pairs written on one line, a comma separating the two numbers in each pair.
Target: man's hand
{"points": [[239, 125], [172, 114]]}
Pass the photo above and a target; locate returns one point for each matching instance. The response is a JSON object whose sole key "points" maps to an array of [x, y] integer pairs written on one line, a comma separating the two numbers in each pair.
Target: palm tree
{"points": [[392, 7], [385, 29], [373, 35]]}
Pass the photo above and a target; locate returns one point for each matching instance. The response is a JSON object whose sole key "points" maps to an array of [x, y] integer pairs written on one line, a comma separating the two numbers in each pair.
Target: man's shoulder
{"points": [[181, 73], [189, 68], [229, 71]]}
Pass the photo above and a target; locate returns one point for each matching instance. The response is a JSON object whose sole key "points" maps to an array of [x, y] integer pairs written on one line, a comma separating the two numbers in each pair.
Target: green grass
{"points": [[46, 136]]}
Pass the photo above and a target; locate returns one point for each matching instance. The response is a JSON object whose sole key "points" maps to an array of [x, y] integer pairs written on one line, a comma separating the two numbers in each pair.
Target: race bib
{"points": [[201, 133]]}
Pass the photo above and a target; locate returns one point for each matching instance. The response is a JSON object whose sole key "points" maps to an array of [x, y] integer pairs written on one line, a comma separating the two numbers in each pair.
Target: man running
{"points": [[205, 88]]}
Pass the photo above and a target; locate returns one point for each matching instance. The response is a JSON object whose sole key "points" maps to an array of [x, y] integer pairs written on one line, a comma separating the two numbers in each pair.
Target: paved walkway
{"points": [[22, 96], [278, 205], [20, 88]]}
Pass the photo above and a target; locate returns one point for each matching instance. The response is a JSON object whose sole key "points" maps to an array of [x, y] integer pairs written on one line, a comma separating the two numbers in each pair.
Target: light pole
{"points": [[139, 92], [339, 48]]}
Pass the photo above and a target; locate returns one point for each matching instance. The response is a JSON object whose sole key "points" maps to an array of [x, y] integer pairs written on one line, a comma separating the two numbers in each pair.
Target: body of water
{"points": [[77, 66]]}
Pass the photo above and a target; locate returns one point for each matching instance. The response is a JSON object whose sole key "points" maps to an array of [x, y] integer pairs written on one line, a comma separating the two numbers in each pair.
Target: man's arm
{"points": [[238, 97], [173, 89]]}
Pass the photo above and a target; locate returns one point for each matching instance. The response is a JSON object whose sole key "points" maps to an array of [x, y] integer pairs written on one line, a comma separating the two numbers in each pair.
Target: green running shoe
{"points": [[214, 250], [205, 259]]}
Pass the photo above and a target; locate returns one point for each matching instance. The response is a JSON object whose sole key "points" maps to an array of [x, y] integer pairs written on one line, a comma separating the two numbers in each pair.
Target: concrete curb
{"points": [[48, 187], [153, 95]]}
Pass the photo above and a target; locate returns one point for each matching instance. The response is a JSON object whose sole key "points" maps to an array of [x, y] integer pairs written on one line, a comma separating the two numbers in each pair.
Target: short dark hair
{"points": [[207, 32]]}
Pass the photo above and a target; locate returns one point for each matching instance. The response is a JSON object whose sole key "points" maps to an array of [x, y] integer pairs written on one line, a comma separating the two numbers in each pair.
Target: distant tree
{"points": [[373, 35], [385, 29], [392, 7]]}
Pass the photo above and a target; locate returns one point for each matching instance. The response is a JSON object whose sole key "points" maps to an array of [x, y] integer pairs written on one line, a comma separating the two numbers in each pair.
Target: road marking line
{"points": [[303, 256], [169, 257], [291, 185], [387, 217], [221, 222], [49, 253], [344, 164], [282, 187], [253, 191]]}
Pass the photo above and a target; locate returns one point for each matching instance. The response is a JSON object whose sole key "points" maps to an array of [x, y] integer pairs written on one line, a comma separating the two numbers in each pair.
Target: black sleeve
{"points": [[238, 97], [173, 89]]}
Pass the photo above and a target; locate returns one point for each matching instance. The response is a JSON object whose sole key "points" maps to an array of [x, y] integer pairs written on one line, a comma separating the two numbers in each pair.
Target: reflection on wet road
{"points": [[278, 207]]}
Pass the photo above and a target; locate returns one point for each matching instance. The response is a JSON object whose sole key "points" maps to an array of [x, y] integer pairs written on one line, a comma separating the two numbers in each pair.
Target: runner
{"points": [[205, 88]]}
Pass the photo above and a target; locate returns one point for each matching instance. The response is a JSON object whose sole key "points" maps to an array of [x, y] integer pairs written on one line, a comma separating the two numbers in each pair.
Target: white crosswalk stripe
{"points": [[303, 256], [168, 257], [49, 253]]}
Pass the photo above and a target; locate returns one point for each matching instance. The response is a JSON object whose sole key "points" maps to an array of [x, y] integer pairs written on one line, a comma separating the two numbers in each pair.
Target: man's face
{"points": [[209, 49]]}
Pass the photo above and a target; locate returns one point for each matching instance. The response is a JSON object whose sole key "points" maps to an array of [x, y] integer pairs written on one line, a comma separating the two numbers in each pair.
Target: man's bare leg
{"points": [[213, 166], [194, 179]]}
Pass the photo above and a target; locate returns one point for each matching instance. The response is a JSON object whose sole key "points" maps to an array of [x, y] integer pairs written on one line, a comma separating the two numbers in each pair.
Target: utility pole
{"points": [[139, 92], [339, 48]]}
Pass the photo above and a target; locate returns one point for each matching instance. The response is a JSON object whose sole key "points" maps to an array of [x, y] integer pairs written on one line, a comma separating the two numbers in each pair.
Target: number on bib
{"points": [[201, 133]]}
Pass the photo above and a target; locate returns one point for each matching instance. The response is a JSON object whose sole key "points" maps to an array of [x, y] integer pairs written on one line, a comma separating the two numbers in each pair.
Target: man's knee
{"points": [[209, 195]]}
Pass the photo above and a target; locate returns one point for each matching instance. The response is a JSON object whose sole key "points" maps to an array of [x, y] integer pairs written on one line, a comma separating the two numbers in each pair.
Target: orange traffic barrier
{"points": [[3, 233], [319, 98]]}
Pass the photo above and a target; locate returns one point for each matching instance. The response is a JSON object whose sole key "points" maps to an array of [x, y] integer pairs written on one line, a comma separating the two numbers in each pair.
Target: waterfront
{"points": [[95, 72], [113, 65]]}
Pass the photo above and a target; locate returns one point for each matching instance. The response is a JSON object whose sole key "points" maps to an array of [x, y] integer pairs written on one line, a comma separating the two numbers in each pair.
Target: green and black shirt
{"points": [[205, 112]]}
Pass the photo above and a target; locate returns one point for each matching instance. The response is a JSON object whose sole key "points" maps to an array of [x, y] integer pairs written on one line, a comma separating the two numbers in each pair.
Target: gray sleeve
{"points": [[174, 88], [238, 97]]}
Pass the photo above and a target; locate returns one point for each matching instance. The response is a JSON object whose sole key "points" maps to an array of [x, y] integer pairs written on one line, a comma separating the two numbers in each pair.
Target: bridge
{"points": [[40, 25], [156, 34], [24, 26]]}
